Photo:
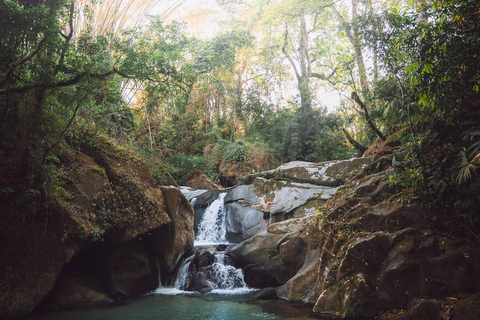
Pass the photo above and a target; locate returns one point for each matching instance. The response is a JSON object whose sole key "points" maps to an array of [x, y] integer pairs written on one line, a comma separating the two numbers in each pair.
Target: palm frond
{"points": [[466, 168], [476, 159]]}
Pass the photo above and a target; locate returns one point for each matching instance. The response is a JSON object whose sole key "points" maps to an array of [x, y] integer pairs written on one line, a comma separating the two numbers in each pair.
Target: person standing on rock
{"points": [[266, 209]]}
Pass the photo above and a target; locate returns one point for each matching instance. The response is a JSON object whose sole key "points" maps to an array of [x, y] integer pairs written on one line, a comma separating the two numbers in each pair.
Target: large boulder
{"points": [[78, 289], [102, 197], [129, 271], [176, 237], [272, 258], [329, 173], [243, 222], [199, 180]]}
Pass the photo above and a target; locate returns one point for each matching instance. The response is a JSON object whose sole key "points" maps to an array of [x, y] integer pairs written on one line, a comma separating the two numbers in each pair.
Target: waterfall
{"points": [[182, 275], [221, 278], [212, 227], [224, 277], [157, 265]]}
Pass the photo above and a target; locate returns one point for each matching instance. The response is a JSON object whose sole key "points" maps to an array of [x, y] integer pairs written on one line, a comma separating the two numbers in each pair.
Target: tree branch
{"points": [[70, 23], [284, 50], [22, 61], [362, 105], [59, 84], [361, 148], [321, 75]]}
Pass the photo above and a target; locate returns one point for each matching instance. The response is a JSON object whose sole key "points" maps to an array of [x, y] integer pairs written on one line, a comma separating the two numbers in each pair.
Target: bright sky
{"points": [[205, 19]]}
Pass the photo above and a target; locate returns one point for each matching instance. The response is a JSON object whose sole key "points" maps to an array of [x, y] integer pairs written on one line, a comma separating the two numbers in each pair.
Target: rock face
{"points": [[75, 290], [329, 173], [200, 180], [295, 184], [362, 255], [103, 198], [129, 271], [177, 236], [271, 258]]}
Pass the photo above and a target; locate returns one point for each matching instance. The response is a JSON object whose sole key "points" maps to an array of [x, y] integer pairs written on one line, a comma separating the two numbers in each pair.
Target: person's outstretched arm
{"points": [[275, 201]]}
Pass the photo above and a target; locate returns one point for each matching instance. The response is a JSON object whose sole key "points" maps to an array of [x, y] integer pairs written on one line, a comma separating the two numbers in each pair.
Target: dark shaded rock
{"points": [[391, 217], [301, 287], [129, 271], [438, 282], [200, 284], [170, 242], [425, 310], [259, 275], [75, 290], [204, 260], [266, 294], [222, 247], [277, 217], [467, 308], [365, 256], [105, 193], [358, 298]]}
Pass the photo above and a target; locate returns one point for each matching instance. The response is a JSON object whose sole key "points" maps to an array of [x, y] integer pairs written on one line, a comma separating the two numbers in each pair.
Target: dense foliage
{"points": [[250, 97]]}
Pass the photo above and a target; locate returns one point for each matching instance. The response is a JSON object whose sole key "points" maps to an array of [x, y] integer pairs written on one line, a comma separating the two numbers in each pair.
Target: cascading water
{"points": [[182, 274], [221, 277], [224, 277], [212, 227]]}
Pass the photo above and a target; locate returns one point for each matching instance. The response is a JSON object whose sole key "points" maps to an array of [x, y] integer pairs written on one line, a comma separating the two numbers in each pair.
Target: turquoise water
{"points": [[186, 307]]}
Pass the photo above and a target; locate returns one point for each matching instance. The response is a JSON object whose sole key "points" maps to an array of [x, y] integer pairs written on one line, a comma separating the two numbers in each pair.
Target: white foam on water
{"points": [[170, 291], [235, 291]]}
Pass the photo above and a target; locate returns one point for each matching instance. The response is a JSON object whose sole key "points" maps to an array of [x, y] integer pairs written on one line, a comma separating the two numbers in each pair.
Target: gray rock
{"points": [[201, 284], [329, 173], [190, 193], [255, 249], [199, 198], [243, 222]]}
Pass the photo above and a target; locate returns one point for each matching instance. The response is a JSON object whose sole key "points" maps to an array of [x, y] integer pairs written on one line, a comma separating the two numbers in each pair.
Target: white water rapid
{"points": [[182, 274], [225, 278], [212, 228], [222, 278]]}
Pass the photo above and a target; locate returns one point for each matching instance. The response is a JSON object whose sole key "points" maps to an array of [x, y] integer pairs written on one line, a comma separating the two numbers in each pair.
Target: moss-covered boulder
{"points": [[97, 199]]}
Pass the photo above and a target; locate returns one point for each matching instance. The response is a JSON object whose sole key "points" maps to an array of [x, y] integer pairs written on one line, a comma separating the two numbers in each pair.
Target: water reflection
{"points": [[186, 307]]}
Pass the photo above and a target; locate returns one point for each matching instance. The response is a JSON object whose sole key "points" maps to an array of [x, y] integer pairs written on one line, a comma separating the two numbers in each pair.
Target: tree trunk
{"points": [[366, 115], [353, 38], [361, 148], [29, 127], [303, 83]]}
